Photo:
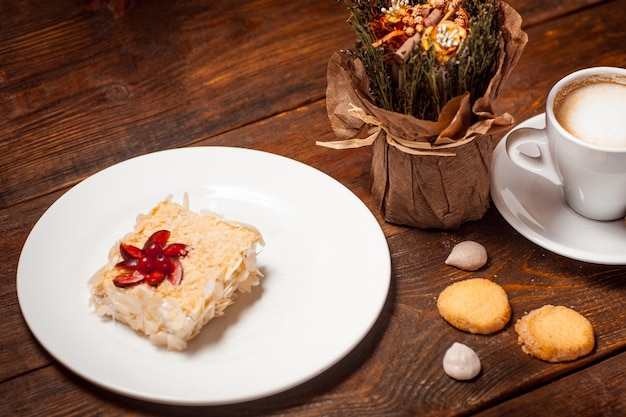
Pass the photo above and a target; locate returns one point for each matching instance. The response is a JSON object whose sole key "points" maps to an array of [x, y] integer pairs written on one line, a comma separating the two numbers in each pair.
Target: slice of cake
{"points": [[176, 271]]}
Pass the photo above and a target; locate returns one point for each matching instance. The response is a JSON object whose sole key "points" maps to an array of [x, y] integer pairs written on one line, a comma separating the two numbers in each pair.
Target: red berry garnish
{"points": [[128, 264], [124, 281], [176, 275], [152, 249], [152, 264], [145, 265], [163, 263], [175, 249], [154, 278], [129, 251], [159, 237]]}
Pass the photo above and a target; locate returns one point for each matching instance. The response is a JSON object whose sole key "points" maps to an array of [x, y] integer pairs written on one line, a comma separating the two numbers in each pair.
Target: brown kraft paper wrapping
{"points": [[418, 181], [428, 191]]}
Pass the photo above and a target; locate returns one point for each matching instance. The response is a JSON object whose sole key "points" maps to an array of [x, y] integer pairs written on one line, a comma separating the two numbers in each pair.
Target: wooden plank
{"points": [[159, 77], [593, 391], [19, 351], [536, 12]]}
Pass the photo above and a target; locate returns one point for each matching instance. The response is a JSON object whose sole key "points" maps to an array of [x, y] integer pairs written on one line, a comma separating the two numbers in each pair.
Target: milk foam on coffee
{"points": [[595, 112]]}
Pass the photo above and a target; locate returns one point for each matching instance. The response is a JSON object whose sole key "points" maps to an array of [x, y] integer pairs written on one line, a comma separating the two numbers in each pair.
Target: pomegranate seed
{"points": [[154, 278], [163, 263], [152, 249], [176, 249], [129, 251], [176, 274], [128, 264], [124, 281], [159, 237], [145, 265]]}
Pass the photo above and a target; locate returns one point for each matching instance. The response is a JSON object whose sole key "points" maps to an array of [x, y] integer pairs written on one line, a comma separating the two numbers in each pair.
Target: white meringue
{"points": [[467, 255], [461, 362]]}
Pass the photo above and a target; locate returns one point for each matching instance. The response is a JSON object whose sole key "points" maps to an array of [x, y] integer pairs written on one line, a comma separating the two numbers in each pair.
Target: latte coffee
{"points": [[594, 110], [582, 148]]}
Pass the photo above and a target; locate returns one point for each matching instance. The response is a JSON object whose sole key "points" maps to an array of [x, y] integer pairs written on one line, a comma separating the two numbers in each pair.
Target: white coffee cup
{"points": [[589, 159]]}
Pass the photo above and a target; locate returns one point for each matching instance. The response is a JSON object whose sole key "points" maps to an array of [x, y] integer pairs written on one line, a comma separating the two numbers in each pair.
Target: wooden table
{"points": [[87, 84]]}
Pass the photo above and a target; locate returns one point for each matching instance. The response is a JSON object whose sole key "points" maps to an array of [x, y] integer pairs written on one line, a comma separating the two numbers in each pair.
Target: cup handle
{"points": [[542, 164]]}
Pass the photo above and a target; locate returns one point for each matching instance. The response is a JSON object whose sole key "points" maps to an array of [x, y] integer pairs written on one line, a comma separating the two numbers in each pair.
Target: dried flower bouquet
{"points": [[419, 87]]}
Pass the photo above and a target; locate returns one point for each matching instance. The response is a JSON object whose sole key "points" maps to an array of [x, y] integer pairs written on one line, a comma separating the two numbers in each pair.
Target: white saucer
{"points": [[535, 208]]}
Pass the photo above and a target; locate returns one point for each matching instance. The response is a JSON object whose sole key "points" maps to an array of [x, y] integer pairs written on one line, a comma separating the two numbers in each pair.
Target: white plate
{"points": [[326, 264], [536, 208]]}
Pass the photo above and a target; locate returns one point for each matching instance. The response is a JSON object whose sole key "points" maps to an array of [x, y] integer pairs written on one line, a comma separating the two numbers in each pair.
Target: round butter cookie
{"points": [[555, 334], [475, 305]]}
